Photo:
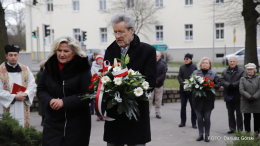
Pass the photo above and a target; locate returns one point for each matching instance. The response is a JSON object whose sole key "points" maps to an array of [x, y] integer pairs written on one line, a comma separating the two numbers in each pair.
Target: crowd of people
{"points": [[67, 74]]}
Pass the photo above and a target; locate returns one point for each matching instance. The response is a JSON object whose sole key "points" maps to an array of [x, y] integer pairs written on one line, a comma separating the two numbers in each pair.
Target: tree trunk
{"points": [[250, 19], [3, 34]]}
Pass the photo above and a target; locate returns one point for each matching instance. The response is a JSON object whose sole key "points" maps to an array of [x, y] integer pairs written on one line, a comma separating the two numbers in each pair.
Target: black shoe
{"points": [[181, 125], [158, 117], [194, 126], [200, 138], [230, 132], [206, 138]]}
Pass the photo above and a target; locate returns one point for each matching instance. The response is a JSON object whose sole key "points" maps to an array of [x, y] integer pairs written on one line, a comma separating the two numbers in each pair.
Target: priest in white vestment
{"points": [[18, 105]]}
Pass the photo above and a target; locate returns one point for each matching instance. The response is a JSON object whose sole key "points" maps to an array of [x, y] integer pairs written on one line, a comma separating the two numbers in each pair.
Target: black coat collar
{"points": [[11, 69], [235, 69], [72, 68], [133, 49]]}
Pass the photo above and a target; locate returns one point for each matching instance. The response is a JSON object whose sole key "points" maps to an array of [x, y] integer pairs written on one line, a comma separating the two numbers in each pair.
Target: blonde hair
{"points": [[73, 44], [199, 63]]}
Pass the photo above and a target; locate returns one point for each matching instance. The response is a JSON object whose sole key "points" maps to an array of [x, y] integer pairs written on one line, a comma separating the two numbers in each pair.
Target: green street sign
{"points": [[160, 47]]}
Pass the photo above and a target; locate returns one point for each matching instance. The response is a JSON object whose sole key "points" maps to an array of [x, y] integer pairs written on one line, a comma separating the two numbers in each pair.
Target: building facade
{"points": [[185, 26]]}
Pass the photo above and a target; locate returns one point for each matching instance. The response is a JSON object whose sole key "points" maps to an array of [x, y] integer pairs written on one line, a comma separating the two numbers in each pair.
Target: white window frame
{"points": [[80, 33], [188, 5], [159, 31], [47, 5], [189, 29], [99, 1], [100, 35], [220, 39], [73, 6], [219, 2], [127, 5], [48, 38], [160, 1]]}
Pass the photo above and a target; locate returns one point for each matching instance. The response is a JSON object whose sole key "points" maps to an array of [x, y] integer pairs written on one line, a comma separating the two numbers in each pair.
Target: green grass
{"points": [[171, 83]]}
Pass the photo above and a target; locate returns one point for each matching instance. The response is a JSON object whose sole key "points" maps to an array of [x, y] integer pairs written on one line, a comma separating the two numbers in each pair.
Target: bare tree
{"points": [[239, 13], [143, 11], [16, 35], [3, 33]]}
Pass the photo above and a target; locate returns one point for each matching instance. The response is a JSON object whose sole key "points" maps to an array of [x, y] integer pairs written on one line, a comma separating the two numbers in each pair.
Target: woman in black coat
{"points": [[66, 77], [204, 105]]}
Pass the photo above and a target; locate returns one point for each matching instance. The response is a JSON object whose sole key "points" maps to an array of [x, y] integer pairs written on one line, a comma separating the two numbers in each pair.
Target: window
{"points": [[159, 3], [49, 5], [76, 34], [159, 32], [219, 31], [219, 1], [102, 4], [75, 5], [103, 35], [130, 4], [49, 37], [188, 2], [188, 32]]}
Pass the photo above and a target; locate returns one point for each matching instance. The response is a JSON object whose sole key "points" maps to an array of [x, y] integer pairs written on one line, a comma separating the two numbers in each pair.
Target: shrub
{"points": [[242, 141], [12, 134]]}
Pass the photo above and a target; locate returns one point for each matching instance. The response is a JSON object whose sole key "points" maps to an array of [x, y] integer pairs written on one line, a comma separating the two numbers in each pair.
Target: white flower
{"points": [[200, 88], [185, 86], [197, 86], [118, 99], [131, 71], [116, 69], [118, 81], [191, 79], [145, 85], [138, 91], [201, 80], [105, 79]]}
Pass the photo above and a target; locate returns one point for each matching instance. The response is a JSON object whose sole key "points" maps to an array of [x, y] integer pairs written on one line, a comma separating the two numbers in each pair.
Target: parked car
{"points": [[90, 52], [240, 54]]}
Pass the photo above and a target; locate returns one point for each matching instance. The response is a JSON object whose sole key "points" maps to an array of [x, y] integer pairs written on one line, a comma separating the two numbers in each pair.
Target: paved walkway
{"points": [[165, 131]]}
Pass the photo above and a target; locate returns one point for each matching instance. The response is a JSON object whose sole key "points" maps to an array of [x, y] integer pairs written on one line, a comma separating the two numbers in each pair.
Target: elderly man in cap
{"points": [[230, 80], [184, 73], [12, 72]]}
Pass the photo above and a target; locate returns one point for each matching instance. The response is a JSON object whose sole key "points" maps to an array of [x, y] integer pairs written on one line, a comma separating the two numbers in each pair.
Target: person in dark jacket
{"points": [[249, 88], [165, 63], [184, 73], [66, 77], [230, 79], [143, 59], [41, 109], [92, 58], [204, 105], [158, 90]]}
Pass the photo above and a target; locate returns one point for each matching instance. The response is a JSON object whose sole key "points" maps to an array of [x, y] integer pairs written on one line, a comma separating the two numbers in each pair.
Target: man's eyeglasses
{"points": [[118, 33]]}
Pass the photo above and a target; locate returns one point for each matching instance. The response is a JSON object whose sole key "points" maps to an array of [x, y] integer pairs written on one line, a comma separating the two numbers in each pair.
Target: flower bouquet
{"points": [[116, 85], [199, 85]]}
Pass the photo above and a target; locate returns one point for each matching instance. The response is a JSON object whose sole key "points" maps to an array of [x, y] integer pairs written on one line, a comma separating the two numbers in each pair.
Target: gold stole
{"points": [[5, 80]]}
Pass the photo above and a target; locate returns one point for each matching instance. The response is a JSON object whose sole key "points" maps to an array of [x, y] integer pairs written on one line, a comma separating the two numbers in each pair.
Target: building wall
{"points": [[173, 16]]}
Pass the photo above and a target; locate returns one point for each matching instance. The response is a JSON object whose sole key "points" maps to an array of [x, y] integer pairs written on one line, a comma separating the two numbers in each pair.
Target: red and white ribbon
{"points": [[120, 73], [99, 96]]}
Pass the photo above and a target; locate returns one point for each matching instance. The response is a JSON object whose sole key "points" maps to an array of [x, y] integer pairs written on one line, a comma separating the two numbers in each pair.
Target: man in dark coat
{"points": [[184, 73], [230, 80], [143, 59], [158, 90]]}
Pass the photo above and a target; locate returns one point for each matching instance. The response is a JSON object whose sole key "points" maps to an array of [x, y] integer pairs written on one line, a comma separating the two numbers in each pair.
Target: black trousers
{"points": [[203, 121], [247, 121], [234, 123], [185, 96]]}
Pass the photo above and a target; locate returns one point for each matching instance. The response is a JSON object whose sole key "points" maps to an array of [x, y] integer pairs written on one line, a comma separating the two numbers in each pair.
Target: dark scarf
{"points": [[187, 65], [11, 69], [204, 71]]}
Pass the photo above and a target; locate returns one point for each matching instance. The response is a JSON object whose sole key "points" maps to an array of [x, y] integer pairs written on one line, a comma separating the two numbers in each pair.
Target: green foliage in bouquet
{"points": [[199, 85], [123, 92], [12, 134], [244, 139]]}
